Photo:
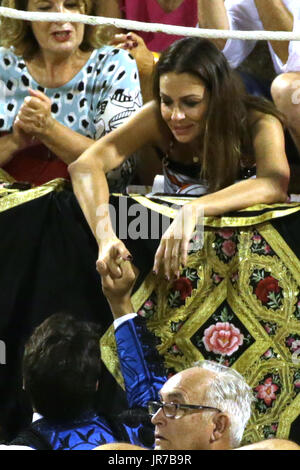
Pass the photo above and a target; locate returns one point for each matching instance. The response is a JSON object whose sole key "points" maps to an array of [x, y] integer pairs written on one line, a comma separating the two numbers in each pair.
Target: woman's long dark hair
{"points": [[227, 137]]}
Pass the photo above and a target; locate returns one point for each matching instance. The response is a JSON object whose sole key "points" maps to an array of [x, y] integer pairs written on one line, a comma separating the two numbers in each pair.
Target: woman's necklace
{"points": [[196, 158]]}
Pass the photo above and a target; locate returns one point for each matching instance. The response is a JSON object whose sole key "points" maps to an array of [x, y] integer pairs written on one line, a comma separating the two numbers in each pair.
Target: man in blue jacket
{"points": [[61, 373]]}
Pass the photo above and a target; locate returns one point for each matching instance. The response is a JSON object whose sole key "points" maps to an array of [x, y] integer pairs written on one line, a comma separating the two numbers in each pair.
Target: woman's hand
{"points": [[174, 246], [119, 288], [34, 117], [20, 139], [138, 49], [112, 253], [14, 142]]}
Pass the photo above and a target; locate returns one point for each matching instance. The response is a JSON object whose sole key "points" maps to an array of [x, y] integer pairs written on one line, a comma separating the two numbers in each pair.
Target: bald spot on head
{"points": [[188, 386], [119, 446]]}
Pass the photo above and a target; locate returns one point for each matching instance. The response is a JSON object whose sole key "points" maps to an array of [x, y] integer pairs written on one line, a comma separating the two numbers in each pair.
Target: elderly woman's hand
{"points": [[138, 49], [34, 117], [20, 138]]}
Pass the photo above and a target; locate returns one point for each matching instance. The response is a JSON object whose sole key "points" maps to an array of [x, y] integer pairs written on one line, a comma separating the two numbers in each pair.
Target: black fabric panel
{"points": [[295, 431], [289, 228], [142, 250], [48, 257]]}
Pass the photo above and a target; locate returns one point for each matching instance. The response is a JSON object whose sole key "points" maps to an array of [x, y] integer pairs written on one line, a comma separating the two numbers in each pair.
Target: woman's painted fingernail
{"points": [[129, 258]]}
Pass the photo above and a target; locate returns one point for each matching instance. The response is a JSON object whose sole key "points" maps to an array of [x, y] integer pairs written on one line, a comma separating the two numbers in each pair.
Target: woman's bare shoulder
{"points": [[150, 119]]}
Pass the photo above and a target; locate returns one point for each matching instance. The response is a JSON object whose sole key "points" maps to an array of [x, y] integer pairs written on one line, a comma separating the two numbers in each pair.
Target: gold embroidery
{"points": [[13, 198], [240, 295], [5, 177], [277, 210]]}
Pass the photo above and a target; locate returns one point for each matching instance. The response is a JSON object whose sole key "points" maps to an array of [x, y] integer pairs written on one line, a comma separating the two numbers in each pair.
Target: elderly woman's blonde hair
{"points": [[18, 33]]}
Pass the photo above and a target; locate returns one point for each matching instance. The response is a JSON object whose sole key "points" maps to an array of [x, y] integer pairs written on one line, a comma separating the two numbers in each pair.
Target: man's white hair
{"points": [[230, 393]]}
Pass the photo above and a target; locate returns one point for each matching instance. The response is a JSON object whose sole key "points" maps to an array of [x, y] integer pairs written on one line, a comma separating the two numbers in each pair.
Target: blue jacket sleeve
{"points": [[141, 365]]}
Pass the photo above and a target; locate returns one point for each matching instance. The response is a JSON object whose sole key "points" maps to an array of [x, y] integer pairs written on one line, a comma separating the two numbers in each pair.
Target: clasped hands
{"points": [[34, 119], [171, 255]]}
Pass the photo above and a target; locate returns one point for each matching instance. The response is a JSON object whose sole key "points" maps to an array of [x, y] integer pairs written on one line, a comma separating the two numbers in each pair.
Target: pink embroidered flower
{"points": [[216, 278], [226, 233], [267, 249], [297, 383], [268, 354], [295, 345], [222, 338], [268, 329], [141, 312], [266, 391], [184, 286], [228, 248], [264, 287], [256, 239], [235, 277], [148, 304], [289, 341]]}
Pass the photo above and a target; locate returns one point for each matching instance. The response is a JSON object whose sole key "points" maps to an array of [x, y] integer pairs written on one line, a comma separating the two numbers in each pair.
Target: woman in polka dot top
{"points": [[59, 93]]}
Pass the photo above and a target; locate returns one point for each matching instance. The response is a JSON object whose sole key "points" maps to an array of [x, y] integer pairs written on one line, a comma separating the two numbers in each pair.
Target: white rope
{"points": [[150, 27]]}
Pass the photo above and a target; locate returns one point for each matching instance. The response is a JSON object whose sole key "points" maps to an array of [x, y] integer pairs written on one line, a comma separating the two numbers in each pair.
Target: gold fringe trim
{"points": [[278, 210], [14, 197]]}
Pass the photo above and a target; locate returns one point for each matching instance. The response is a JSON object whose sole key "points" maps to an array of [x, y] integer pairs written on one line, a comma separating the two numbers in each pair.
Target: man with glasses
{"points": [[213, 400], [205, 407]]}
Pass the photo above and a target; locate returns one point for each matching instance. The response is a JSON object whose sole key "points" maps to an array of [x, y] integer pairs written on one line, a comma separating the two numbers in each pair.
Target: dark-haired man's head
{"points": [[61, 367]]}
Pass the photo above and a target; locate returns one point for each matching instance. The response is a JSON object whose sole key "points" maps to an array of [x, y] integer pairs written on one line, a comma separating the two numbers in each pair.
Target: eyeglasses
{"points": [[175, 410]]}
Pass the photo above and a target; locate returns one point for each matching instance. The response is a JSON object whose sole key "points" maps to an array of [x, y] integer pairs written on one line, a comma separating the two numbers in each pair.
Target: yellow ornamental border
{"points": [[225, 221], [14, 198]]}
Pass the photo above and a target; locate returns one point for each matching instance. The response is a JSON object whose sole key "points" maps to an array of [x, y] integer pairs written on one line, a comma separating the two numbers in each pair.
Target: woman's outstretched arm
{"points": [[90, 184], [270, 186]]}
